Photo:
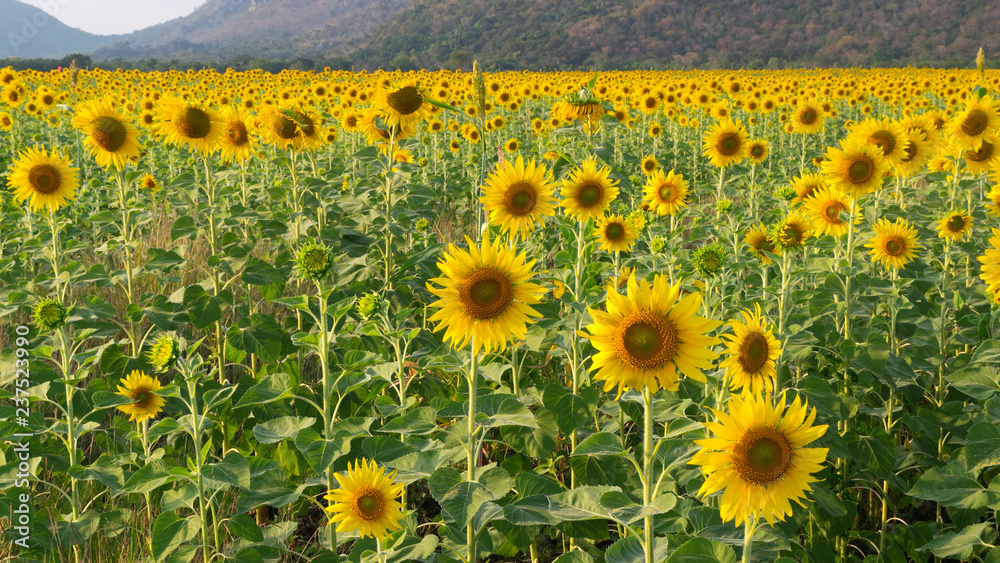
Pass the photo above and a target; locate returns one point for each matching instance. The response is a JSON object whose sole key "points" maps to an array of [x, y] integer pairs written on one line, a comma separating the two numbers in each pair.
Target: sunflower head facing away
{"points": [[110, 137], [758, 457], [588, 191], [517, 195], [649, 336], [752, 352], [484, 296], [142, 389], [894, 244], [47, 179], [367, 500]]}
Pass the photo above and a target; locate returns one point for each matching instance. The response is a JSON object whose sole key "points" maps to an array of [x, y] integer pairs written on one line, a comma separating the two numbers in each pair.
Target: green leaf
{"points": [[626, 550], [281, 428], [164, 260], [319, 452], [877, 452], [600, 443], [419, 421], [170, 531], [574, 557], [982, 446], [203, 309], [624, 509], [980, 383], [574, 411], [958, 491], [183, 227], [582, 503], [531, 510], [701, 550], [271, 388], [151, 476], [537, 442], [245, 527], [258, 272], [958, 545], [234, 469], [459, 499], [106, 470], [503, 410]]}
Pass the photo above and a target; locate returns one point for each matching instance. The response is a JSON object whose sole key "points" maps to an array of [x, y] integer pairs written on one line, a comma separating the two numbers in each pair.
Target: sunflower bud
{"points": [[479, 88], [658, 245], [709, 260], [163, 353], [786, 193], [368, 305], [313, 260], [48, 315], [638, 219], [421, 224], [724, 205]]}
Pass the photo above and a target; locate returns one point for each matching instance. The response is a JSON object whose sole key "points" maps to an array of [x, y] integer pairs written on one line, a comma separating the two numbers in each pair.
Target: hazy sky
{"points": [[108, 17]]}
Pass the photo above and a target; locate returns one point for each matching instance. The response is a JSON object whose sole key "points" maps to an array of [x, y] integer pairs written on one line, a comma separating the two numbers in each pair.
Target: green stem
{"points": [[647, 481], [751, 527], [328, 414], [473, 450]]}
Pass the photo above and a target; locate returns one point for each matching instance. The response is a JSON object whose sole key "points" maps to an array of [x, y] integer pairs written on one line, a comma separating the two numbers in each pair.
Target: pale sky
{"points": [[109, 17]]}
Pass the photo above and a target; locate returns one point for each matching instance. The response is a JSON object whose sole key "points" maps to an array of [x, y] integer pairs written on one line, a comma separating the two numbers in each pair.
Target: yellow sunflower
{"points": [[47, 179], [517, 195], [148, 182], [588, 191], [759, 241], [970, 126], [985, 158], [366, 500], [726, 143], [665, 194], [615, 233], [894, 244], [917, 151], [758, 455], [649, 335], [791, 233], [855, 169], [752, 351], [993, 205], [991, 265], [236, 142], [954, 225], [806, 186], [649, 165], [188, 123], [883, 133], [758, 151], [401, 104], [808, 118], [142, 389], [825, 210], [484, 296], [112, 138]]}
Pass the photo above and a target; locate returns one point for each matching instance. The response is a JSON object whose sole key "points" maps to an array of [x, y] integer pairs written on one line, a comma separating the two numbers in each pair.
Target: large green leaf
{"points": [[582, 503], [960, 545], [982, 446], [421, 420], [701, 550], [170, 531], [958, 491], [281, 428]]}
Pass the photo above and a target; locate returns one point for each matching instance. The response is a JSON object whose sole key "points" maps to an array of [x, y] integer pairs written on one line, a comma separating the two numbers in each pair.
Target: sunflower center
{"points": [[756, 151], [791, 236], [975, 123], [729, 145], [368, 504], [884, 140], [282, 126], [614, 232], [649, 165], [909, 151], [306, 124], [108, 133], [590, 194], [193, 123], [520, 199], [894, 246], [859, 169], [142, 397], [833, 210], [236, 133], [753, 352], [405, 101], [486, 293], [667, 193], [44, 179], [646, 340], [956, 223], [762, 456], [808, 117], [984, 153], [764, 245]]}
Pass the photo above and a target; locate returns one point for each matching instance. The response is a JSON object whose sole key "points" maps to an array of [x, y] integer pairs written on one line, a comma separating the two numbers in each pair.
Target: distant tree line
{"points": [[237, 63]]}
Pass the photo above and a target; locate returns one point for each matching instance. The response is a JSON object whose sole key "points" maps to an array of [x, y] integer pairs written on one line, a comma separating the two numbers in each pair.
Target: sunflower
{"points": [[991, 266], [855, 169], [142, 389], [517, 195], [588, 191], [824, 210], [726, 143], [665, 194], [753, 351], [758, 151], [806, 186], [984, 158], [401, 105], [236, 142], [917, 151], [649, 165], [808, 118], [484, 295], [6, 121], [954, 226], [758, 456], [883, 133], [184, 122], [759, 241], [894, 244], [48, 179], [790, 233], [970, 126], [148, 182], [366, 500], [615, 233], [993, 205], [112, 139], [649, 335]]}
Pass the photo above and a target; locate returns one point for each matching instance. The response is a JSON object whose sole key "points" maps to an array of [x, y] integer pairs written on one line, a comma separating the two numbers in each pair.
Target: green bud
{"points": [[48, 315], [313, 260]]}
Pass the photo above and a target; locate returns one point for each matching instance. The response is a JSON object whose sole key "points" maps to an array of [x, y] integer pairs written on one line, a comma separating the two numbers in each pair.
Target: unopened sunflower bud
{"points": [[368, 305], [163, 353], [48, 315], [313, 260]]}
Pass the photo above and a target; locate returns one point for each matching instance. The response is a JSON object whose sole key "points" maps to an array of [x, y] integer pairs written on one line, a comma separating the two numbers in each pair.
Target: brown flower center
{"points": [[884, 140], [753, 352], [108, 133], [808, 116], [728, 145], [590, 194], [614, 232], [368, 505], [44, 179], [646, 340], [667, 193], [762, 456], [956, 223], [858, 169], [975, 122], [282, 126], [832, 211], [894, 246], [757, 151], [486, 293], [520, 199], [193, 123], [236, 134], [984, 153]]}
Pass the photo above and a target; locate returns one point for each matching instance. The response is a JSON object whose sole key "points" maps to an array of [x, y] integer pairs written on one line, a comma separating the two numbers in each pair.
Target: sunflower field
{"points": [[447, 316]]}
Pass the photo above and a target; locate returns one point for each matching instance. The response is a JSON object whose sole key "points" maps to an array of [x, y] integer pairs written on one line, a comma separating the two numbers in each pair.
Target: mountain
{"points": [[630, 34], [28, 32], [259, 28]]}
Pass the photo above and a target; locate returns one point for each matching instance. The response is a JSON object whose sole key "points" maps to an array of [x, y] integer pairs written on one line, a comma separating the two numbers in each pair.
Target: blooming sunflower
{"points": [[894, 244], [112, 138], [806, 186], [484, 296], [969, 126], [588, 191], [148, 182], [142, 389], [824, 210], [401, 104], [758, 151], [366, 500], [790, 233], [236, 142], [883, 133], [993, 205], [759, 241], [47, 179], [984, 158], [615, 233], [991, 265], [649, 165], [726, 143], [517, 195], [752, 351], [758, 455], [807, 118], [184, 122], [917, 151], [665, 194], [855, 169], [954, 225], [649, 335]]}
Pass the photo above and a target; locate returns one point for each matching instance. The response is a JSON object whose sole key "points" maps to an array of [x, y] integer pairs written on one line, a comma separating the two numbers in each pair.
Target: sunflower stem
{"points": [[328, 410], [647, 479], [144, 436], [751, 527], [473, 450], [64, 360]]}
